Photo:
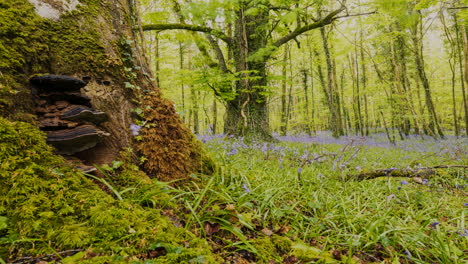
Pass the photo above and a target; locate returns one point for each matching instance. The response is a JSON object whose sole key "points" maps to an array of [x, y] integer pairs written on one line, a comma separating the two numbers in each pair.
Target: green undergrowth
{"points": [[305, 195], [47, 207]]}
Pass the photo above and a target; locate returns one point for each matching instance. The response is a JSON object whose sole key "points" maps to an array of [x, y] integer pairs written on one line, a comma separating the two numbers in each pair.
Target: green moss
{"points": [[272, 248], [49, 207], [21, 44], [30, 44]]}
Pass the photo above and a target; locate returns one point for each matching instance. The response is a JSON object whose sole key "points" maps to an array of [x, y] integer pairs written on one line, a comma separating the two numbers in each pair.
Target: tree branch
{"points": [[298, 31], [219, 54], [360, 14], [188, 27]]}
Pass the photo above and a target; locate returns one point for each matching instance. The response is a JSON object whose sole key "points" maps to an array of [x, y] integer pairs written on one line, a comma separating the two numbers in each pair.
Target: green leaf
{"points": [[3, 222], [116, 164], [129, 85], [74, 258], [252, 11]]}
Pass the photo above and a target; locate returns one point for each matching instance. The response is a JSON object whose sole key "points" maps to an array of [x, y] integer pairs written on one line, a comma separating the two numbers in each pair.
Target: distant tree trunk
{"points": [[452, 64], [284, 107], [312, 84], [463, 55], [306, 105], [214, 128], [157, 59], [290, 90], [434, 125], [364, 84], [312, 101], [333, 100], [182, 88], [195, 110], [354, 68], [344, 111]]}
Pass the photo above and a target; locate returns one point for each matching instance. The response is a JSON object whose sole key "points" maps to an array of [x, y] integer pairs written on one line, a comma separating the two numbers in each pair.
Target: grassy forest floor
{"points": [[295, 201], [304, 188]]}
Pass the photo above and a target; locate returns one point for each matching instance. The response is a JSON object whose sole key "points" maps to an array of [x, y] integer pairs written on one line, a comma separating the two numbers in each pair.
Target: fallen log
{"points": [[395, 172]]}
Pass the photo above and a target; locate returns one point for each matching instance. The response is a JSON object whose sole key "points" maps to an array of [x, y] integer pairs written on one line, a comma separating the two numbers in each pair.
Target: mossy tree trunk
{"points": [[94, 39]]}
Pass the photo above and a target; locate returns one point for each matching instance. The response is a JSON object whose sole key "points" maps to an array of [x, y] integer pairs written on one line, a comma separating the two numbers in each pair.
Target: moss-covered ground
{"points": [[47, 207]]}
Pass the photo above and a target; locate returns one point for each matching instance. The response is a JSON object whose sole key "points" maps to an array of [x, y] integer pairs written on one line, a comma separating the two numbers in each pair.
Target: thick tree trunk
{"points": [[96, 42], [247, 113]]}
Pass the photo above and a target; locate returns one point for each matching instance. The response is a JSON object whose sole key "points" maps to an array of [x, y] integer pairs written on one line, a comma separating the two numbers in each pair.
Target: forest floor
{"points": [[306, 189], [299, 200]]}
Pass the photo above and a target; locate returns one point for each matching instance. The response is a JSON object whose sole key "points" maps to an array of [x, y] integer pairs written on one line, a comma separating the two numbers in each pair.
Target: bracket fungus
{"points": [[66, 115]]}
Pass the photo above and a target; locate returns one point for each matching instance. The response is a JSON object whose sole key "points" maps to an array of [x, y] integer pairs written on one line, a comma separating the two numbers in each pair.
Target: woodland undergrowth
{"points": [[285, 202]]}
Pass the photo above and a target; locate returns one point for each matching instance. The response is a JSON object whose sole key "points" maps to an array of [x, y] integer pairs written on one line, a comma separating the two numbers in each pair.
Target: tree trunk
{"points": [[333, 98], [214, 126], [306, 105], [98, 43], [419, 58], [460, 31], [284, 107], [247, 113], [157, 64], [182, 87]]}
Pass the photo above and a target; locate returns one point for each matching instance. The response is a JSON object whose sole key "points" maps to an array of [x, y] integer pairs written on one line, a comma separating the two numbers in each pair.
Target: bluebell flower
{"points": [[425, 181], [465, 204], [247, 190], [233, 151], [135, 128], [404, 183], [434, 224], [299, 170], [265, 148], [399, 188], [408, 254], [463, 233]]}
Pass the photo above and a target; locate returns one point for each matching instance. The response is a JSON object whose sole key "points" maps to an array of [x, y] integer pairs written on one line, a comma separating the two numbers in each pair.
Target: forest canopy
{"points": [[303, 66]]}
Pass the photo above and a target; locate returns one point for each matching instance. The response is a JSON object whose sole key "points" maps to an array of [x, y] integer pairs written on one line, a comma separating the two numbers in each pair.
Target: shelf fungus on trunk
{"points": [[67, 116], [56, 83], [74, 140], [83, 113]]}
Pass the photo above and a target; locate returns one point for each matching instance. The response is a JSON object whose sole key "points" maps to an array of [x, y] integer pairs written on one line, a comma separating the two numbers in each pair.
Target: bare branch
{"points": [[360, 14], [214, 32], [219, 54]]}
